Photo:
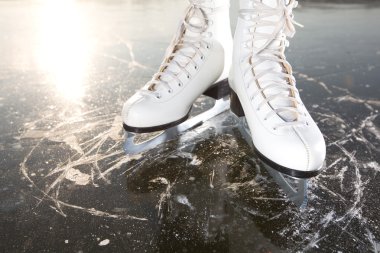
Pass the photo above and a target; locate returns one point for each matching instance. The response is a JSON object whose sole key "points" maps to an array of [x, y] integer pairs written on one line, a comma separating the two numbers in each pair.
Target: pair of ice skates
{"points": [[200, 60]]}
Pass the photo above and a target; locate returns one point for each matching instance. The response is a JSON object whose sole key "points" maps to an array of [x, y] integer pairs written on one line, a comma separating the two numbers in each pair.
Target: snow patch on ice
{"points": [[77, 177], [182, 199], [313, 242], [327, 219], [373, 165], [72, 141], [115, 132], [372, 239], [351, 99], [212, 175], [195, 161], [104, 242], [161, 180]]}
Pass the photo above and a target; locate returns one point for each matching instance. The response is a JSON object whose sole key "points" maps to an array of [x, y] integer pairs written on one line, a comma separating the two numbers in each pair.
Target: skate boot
{"points": [[264, 90], [197, 62]]}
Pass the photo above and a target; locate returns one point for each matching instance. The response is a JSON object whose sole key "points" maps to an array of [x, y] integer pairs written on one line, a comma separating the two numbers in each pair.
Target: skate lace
{"points": [[285, 87], [178, 53]]}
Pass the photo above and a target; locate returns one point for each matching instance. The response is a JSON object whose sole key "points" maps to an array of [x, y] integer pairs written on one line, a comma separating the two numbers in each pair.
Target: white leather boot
{"points": [[264, 90], [197, 61]]}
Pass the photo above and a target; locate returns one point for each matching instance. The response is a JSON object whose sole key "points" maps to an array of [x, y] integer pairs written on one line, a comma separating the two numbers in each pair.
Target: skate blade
{"points": [[294, 188], [134, 144]]}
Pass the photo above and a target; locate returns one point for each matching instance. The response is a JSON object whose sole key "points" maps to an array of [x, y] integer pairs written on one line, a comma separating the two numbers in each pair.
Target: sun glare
{"points": [[64, 47]]}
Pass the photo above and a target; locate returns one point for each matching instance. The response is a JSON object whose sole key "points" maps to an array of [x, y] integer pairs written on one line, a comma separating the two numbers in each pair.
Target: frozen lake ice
{"points": [[66, 184]]}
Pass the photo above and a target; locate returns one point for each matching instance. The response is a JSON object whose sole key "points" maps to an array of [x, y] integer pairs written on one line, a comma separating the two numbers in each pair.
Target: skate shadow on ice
{"points": [[213, 194]]}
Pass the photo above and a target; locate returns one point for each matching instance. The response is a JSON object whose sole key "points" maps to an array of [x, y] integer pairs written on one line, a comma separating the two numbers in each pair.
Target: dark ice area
{"points": [[66, 184]]}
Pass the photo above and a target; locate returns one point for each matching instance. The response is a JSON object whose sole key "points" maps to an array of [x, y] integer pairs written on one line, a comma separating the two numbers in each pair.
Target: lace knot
{"points": [[290, 23]]}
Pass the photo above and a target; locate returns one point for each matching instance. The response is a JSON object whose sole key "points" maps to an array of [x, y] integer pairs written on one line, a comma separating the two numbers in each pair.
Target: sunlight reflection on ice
{"points": [[63, 48]]}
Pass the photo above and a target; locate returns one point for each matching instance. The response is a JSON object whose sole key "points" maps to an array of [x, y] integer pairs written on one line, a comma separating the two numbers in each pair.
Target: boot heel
{"points": [[218, 90], [236, 107]]}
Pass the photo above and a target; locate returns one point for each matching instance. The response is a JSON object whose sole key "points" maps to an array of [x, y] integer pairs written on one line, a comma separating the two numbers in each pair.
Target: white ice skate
{"points": [[283, 133], [197, 62]]}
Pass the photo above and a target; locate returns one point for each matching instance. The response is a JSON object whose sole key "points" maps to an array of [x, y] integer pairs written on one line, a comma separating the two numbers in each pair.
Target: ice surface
{"points": [[66, 184]]}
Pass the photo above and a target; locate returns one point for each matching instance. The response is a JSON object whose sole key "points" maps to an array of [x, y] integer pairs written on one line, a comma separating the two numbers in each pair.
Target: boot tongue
{"points": [[197, 21], [282, 100]]}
